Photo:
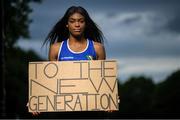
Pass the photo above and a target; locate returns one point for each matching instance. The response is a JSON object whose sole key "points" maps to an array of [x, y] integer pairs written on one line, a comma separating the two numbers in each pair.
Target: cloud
{"points": [[173, 24]]}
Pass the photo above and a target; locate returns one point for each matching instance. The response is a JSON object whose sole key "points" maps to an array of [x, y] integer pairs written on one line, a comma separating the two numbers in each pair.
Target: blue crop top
{"points": [[66, 54]]}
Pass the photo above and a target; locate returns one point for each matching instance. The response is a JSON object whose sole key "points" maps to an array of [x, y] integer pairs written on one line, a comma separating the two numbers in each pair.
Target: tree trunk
{"points": [[2, 46]]}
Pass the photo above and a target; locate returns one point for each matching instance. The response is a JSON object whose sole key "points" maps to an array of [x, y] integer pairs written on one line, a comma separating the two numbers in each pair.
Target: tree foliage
{"points": [[16, 20], [167, 95], [17, 81], [136, 95]]}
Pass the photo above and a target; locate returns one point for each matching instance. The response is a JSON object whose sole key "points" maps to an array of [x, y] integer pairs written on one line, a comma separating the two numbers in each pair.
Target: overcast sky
{"points": [[142, 35]]}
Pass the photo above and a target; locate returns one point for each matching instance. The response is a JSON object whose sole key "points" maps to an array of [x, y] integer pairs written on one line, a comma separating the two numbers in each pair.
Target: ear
{"points": [[67, 26]]}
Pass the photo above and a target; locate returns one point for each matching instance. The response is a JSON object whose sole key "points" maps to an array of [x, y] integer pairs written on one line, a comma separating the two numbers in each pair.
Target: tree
{"points": [[16, 20], [17, 82], [167, 95], [136, 95], [15, 24]]}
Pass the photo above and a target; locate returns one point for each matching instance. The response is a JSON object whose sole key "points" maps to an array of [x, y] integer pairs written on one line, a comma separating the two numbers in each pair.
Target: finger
{"points": [[34, 113], [110, 111], [27, 104], [118, 99]]}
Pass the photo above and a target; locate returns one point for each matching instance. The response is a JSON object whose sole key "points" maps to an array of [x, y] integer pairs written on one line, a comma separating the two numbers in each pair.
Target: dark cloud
{"points": [[128, 20], [164, 23], [174, 24], [132, 20]]}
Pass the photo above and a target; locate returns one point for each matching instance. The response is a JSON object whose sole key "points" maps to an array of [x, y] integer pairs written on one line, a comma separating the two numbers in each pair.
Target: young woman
{"points": [[75, 37]]}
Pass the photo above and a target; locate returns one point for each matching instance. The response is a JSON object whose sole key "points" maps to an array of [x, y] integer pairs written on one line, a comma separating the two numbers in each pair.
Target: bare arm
{"points": [[100, 51], [53, 51]]}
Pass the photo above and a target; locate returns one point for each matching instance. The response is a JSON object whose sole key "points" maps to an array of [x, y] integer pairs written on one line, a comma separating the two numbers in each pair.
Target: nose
{"points": [[77, 24]]}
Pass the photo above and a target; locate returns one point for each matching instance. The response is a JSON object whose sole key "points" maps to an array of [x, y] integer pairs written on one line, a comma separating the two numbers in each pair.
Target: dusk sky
{"points": [[142, 35]]}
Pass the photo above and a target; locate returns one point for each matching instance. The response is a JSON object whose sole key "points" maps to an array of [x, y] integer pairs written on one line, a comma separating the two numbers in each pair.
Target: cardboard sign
{"points": [[73, 86]]}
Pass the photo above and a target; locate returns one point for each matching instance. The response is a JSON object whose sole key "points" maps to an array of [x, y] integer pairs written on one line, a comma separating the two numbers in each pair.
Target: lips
{"points": [[77, 30]]}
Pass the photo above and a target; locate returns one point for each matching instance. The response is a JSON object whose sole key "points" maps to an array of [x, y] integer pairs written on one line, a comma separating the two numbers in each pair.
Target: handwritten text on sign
{"points": [[73, 86]]}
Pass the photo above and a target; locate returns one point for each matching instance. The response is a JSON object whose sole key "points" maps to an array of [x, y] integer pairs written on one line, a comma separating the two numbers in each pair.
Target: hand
{"points": [[33, 113], [119, 100]]}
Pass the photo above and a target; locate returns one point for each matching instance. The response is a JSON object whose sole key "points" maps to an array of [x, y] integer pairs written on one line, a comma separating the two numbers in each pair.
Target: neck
{"points": [[77, 43], [76, 39]]}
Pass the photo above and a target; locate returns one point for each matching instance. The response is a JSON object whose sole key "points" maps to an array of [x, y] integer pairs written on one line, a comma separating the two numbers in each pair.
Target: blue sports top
{"points": [[66, 54]]}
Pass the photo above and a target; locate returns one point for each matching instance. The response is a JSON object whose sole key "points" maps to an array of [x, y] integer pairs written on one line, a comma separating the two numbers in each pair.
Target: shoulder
{"points": [[98, 45], [100, 51], [54, 50], [55, 45]]}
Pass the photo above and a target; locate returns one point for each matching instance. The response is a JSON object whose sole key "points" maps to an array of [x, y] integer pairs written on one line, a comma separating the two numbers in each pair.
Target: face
{"points": [[76, 24]]}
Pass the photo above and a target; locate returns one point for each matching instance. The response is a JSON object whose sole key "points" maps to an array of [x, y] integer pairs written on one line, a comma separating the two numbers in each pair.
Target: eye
{"points": [[71, 21], [82, 21]]}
